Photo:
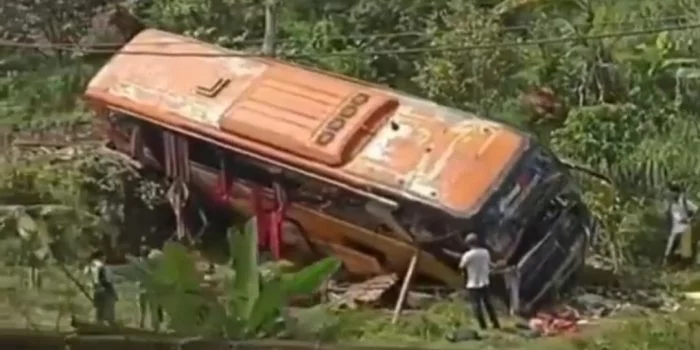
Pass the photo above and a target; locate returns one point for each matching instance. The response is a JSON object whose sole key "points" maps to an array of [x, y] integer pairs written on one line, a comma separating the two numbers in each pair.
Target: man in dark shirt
{"points": [[104, 294]]}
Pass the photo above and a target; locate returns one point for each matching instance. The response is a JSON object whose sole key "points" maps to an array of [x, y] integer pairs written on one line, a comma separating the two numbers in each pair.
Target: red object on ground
{"points": [[555, 323]]}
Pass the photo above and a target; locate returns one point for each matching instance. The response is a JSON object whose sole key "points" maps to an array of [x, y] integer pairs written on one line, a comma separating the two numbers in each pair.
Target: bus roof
{"points": [[295, 110], [338, 128]]}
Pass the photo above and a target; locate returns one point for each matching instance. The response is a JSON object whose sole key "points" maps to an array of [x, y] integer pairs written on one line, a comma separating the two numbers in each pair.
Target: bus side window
{"points": [[204, 153], [121, 122]]}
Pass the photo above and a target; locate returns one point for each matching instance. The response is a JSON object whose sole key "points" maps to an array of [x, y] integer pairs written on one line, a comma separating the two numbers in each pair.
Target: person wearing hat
{"points": [[104, 294], [476, 262], [680, 212]]}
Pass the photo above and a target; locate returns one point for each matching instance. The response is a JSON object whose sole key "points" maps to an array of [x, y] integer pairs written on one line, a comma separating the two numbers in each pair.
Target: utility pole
{"points": [[270, 39]]}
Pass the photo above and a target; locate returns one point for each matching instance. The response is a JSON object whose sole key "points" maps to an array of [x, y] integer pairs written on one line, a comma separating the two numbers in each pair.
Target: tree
{"points": [[630, 101]]}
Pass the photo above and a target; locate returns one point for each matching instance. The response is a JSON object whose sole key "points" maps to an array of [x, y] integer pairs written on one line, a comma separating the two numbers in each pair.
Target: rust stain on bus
{"points": [[305, 119], [341, 146]]}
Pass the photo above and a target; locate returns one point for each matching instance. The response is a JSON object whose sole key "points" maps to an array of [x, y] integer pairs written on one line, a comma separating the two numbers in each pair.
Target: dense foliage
{"points": [[629, 85], [252, 303]]}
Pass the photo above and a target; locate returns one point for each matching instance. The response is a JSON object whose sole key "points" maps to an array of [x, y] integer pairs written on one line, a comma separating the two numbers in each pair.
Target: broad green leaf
{"points": [[275, 268], [183, 310], [172, 282], [310, 278], [186, 310], [232, 236], [246, 282], [178, 267], [267, 308]]}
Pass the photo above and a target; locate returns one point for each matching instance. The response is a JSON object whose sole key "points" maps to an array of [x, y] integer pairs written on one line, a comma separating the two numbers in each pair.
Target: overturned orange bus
{"points": [[332, 165]]}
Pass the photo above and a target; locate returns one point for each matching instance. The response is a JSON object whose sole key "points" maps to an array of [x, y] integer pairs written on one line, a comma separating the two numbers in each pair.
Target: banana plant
{"points": [[250, 306]]}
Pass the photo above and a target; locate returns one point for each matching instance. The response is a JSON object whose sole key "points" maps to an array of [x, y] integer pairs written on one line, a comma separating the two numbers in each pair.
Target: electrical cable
{"points": [[388, 35], [388, 52]]}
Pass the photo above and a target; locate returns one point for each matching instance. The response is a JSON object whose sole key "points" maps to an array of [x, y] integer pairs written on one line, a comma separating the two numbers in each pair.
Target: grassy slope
{"points": [[51, 307], [46, 96]]}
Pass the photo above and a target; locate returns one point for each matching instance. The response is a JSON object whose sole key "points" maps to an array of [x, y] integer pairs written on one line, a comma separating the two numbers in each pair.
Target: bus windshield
{"points": [[523, 194]]}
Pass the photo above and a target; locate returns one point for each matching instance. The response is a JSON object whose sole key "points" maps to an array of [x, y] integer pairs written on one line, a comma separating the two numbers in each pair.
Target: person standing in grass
{"points": [[142, 297], [476, 262], [680, 212], [104, 294], [148, 256]]}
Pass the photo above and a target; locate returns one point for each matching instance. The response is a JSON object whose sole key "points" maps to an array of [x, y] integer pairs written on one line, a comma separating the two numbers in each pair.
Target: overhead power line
{"points": [[372, 36], [349, 53]]}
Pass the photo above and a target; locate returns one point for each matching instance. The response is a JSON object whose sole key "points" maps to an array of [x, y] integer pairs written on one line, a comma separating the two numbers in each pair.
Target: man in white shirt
{"points": [[681, 210], [477, 263]]}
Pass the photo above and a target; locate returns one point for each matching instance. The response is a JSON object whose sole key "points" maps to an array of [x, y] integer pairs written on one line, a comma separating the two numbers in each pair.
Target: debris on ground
{"points": [[591, 304], [367, 293], [420, 300], [601, 302]]}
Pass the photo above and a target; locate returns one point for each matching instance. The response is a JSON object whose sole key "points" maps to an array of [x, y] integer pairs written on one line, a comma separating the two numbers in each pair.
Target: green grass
{"points": [[50, 308], [427, 329], [47, 95]]}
